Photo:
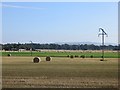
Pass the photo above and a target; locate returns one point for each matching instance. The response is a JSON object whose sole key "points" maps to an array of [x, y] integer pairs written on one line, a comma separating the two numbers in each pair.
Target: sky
{"points": [[49, 22]]}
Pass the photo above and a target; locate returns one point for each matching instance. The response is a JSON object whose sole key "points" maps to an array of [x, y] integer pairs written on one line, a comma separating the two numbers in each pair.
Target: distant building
{"points": [[22, 50]]}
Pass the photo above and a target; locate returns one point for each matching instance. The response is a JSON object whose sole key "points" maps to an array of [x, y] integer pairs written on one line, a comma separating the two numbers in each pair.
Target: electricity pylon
{"points": [[103, 33]]}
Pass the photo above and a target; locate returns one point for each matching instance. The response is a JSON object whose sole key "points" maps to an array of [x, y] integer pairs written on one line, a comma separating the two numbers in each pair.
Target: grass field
{"points": [[21, 72], [87, 54]]}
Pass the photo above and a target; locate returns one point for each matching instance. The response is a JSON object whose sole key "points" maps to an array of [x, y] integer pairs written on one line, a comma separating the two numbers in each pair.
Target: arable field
{"points": [[64, 53], [61, 72]]}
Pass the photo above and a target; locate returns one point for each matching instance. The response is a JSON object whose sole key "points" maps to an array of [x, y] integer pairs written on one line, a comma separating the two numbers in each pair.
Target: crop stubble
{"points": [[59, 73]]}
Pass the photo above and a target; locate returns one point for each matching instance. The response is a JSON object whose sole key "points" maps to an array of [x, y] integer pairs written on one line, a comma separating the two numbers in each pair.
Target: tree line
{"points": [[34, 46]]}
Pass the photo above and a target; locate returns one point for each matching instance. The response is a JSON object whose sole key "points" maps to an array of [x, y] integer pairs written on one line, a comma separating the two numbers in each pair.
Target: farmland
{"points": [[64, 53], [61, 72]]}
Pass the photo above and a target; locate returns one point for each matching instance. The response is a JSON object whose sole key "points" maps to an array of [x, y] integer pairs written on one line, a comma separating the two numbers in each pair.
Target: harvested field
{"points": [[21, 72]]}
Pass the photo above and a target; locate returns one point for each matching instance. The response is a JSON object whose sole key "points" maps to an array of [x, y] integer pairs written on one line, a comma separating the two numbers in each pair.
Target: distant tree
{"points": [[27, 46]]}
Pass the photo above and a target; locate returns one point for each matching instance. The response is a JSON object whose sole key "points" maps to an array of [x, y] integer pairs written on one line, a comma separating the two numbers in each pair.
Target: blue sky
{"points": [[59, 22]]}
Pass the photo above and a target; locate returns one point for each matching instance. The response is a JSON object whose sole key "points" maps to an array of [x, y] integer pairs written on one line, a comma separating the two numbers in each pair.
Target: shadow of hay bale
{"points": [[102, 60]]}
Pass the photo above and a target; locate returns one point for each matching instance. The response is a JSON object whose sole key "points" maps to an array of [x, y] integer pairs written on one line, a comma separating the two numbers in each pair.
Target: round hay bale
{"points": [[76, 56], [71, 56], [82, 56], [67, 55], [36, 60], [9, 55], [91, 56], [48, 58], [101, 56]]}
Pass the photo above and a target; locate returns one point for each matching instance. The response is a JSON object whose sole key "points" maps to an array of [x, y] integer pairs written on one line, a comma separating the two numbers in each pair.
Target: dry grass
{"points": [[59, 73], [59, 82]]}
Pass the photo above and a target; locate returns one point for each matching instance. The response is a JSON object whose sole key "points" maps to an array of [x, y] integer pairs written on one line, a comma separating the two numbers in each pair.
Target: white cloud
{"points": [[24, 7]]}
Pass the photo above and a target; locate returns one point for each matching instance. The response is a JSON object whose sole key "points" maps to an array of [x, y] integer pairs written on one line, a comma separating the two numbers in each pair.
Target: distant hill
{"points": [[77, 43]]}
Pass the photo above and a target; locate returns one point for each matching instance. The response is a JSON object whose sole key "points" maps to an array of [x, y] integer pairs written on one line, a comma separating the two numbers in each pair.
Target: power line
{"points": [[31, 47]]}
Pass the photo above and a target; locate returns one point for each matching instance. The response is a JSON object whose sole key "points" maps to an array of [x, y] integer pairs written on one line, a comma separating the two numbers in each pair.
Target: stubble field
{"points": [[61, 72]]}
